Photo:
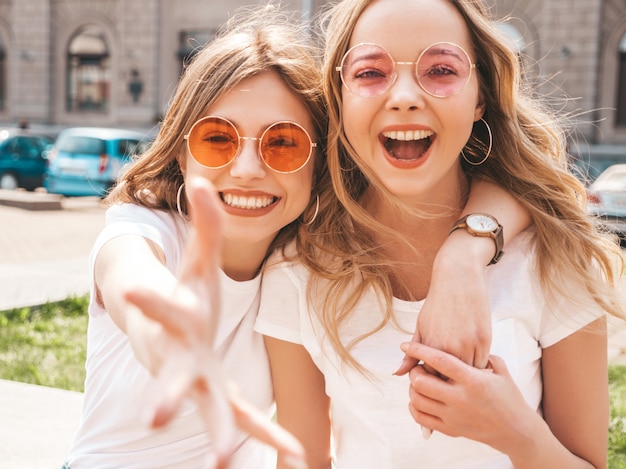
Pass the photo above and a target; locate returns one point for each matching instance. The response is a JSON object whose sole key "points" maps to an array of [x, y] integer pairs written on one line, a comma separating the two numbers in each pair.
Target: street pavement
{"points": [[44, 257]]}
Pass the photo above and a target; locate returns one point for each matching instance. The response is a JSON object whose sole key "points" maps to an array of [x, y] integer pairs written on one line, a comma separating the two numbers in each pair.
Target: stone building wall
{"points": [[570, 46]]}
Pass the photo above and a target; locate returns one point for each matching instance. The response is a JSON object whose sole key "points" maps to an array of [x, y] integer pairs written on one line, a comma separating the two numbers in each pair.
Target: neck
{"points": [[421, 216], [423, 224], [241, 261]]}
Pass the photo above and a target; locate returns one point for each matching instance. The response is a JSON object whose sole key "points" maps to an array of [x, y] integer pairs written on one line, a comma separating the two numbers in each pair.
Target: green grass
{"points": [[617, 423], [46, 345]]}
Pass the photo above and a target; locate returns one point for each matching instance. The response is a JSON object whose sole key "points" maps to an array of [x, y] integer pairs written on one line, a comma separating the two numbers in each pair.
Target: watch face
{"points": [[482, 223]]}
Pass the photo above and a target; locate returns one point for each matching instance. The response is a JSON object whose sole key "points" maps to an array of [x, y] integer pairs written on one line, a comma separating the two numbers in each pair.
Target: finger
{"points": [[443, 363], [200, 264], [497, 365], [408, 362], [428, 385], [481, 358], [218, 418], [206, 219], [258, 425], [158, 308], [420, 405], [426, 421], [175, 385], [430, 370]]}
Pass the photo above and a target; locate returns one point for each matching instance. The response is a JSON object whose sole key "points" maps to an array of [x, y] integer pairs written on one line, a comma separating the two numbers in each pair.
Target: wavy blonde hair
{"points": [[528, 159], [253, 41]]}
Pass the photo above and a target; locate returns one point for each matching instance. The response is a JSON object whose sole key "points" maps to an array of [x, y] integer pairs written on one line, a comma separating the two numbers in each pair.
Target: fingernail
{"points": [[404, 347], [426, 432], [398, 368]]}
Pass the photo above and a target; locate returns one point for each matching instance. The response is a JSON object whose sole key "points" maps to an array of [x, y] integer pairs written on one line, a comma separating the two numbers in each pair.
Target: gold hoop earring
{"points": [[317, 209], [178, 201], [489, 147]]}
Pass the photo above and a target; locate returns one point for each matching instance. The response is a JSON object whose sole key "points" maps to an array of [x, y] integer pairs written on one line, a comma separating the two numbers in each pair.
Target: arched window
{"points": [[3, 75], [190, 43], [620, 118], [88, 71]]}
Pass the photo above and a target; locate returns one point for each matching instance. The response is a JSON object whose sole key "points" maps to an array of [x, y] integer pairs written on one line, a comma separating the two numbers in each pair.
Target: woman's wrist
{"points": [[463, 250]]}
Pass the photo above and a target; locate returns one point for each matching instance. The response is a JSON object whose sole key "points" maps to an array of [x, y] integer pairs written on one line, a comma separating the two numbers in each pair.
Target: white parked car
{"points": [[606, 199]]}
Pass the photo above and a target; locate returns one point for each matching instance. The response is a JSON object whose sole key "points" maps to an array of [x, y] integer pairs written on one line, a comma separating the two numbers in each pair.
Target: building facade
{"points": [[117, 62]]}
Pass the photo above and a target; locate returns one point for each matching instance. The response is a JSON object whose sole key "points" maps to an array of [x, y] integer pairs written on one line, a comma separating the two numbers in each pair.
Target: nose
{"points": [[248, 164], [405, 93]]}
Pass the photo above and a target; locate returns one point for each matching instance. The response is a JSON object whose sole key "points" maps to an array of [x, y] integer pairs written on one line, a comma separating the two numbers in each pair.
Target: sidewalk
{"points": [[44, 253], [37, 424], [44, 257]]}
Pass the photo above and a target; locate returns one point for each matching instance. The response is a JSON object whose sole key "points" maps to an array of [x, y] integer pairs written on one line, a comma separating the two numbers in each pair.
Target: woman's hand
{"points": [[456, 316], [189, 318], [484, 405]]}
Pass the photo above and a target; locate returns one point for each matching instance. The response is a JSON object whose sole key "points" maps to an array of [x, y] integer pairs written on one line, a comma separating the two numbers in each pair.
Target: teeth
{"points": [[247, 202], [407, 135]]}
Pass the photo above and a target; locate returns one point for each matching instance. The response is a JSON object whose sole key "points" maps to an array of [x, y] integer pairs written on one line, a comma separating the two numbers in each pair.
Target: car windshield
{"points": [[82, 145], [128, 147], [613, 182], [43, 142]]}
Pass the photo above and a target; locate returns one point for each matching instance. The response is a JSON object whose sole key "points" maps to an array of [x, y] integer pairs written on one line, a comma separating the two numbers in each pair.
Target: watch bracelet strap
{"points": [[497, 239]]}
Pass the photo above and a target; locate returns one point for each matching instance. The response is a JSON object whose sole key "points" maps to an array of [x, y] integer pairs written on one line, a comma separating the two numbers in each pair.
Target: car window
{"points": [[83, 145], [127, 147], [43, 143], [27, 146]]}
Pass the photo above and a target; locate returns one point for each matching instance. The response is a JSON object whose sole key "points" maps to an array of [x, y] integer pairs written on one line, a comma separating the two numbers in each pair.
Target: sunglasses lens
{"points": [[213, 142], [285, 147], [443, 69], [367, 70]]}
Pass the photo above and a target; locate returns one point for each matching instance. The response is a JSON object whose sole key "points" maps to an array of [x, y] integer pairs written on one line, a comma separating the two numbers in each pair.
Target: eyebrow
{"points": [[443, 50], [372, 55]]}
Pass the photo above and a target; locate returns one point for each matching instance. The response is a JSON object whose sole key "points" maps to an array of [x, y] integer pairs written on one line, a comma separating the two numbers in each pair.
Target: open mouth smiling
{"points": [[407, 145], [248, 202]]}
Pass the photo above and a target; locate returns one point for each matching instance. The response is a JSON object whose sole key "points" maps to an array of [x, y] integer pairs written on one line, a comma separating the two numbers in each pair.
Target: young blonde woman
{"points": [[425, 97], [188, 229]]}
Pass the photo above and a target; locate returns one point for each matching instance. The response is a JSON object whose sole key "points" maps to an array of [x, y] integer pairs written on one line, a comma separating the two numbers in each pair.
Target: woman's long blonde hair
{"points": [[528, 159], [253, 41]]}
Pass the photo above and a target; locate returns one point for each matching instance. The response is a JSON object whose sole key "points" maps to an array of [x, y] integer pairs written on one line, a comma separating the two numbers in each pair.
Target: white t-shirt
{"points": [[113, 432], [371, 424]]}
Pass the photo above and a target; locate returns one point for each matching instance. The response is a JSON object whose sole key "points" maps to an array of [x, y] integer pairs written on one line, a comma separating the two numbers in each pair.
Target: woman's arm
{"points": [[125, 264], [575, 392], [486, 405], [456, 317], [302, 406]]}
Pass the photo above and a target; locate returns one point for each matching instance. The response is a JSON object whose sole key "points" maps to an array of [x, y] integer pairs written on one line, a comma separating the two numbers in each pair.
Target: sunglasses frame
{"points": [[394, 77], [312, 144]]}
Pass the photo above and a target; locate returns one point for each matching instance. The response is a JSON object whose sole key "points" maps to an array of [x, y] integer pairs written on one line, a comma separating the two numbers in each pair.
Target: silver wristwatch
{"points": [[482, 224]]}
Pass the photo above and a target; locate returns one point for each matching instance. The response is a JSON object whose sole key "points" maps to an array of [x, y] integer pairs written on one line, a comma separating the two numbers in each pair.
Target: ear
{"points": [[182, 162], [480, 108]]}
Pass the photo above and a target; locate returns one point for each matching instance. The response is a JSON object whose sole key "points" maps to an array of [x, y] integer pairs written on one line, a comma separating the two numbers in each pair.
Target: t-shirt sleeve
{"points": [[282, 298], [131, 219], [567, 315]]}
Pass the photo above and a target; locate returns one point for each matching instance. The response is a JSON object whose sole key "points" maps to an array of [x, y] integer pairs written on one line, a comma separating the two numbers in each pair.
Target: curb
{"points": [[31, 200]]}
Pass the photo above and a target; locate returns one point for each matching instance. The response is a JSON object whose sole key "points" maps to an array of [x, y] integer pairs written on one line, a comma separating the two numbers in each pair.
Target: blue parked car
{"points": [[88, 160], [22, 159]]}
